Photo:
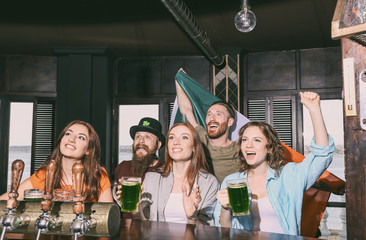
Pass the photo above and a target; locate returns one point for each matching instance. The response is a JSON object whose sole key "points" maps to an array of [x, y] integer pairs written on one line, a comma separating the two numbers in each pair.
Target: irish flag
{"points": [[315, 200], [201, 100]]}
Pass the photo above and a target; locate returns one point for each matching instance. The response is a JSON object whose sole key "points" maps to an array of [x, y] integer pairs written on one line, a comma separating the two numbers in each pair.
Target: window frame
{"points": [[269, 100], [164, 117], [5, 102]]}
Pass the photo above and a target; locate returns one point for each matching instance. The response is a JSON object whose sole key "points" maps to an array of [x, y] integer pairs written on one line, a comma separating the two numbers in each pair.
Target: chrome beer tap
{"points": [[45, 222], [11, 220], [80, 225]]}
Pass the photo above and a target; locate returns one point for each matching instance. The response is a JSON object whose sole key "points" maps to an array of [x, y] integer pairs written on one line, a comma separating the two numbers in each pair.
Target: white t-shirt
{"points": [[174, 210], [263, 216]]}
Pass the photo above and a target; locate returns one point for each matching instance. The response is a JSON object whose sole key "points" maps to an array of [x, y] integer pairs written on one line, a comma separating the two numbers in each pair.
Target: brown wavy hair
{"points": [[92, 169], [198, 162], [275, 155]]}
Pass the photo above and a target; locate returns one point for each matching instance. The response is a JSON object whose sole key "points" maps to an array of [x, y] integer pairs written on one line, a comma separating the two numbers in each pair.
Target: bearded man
{"points": [[219, 149], [147, 139]]}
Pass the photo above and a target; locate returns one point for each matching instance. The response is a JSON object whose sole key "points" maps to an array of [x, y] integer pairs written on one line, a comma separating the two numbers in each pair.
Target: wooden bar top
{"points": [[136, 229]]}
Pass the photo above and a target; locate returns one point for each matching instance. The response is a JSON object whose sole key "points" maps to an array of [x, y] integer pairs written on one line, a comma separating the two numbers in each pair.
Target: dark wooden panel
{"points": [[4, 143], [321, 68], [73, 90], [2, 74], [139, 77], [101, 110], [355, 153], [271, 71], [148, 77], [85, 92], [32, 74], [197, 67]]}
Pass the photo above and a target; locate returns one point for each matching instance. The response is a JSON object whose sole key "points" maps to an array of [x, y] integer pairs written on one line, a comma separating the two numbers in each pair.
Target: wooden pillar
{"points": [[355, 150], [85, 92]]}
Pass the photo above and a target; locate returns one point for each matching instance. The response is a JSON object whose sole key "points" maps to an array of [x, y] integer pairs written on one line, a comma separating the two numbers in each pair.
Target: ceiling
{"points": [[139, 28]]}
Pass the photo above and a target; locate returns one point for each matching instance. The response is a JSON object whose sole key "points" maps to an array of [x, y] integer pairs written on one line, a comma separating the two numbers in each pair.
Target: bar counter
{"points": [[136, 229]]}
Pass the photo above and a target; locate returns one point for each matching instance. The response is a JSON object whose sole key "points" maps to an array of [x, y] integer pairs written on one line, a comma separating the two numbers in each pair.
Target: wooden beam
{"points": [[338, 28], [355, 151]]}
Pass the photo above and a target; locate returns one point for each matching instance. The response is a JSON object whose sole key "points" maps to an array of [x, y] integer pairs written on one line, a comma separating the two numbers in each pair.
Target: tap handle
{"points": [[16, 174], [78, 177], [46, 204]]}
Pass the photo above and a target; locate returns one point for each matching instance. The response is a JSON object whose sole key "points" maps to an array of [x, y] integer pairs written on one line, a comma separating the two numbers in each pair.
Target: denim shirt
{"points": [[286, 187], [157, 189]]}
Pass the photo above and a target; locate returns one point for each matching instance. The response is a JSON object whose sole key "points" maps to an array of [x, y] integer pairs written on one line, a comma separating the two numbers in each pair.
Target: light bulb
{"points": [[245, 20]]}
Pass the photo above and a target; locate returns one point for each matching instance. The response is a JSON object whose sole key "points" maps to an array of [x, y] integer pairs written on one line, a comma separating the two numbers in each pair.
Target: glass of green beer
{"points": [[237, 190], [130, 196], [33, 195]]}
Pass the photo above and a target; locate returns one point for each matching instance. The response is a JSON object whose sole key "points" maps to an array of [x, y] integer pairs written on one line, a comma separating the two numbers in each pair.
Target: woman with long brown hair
{"points": [[183, 190], [78, 142]]}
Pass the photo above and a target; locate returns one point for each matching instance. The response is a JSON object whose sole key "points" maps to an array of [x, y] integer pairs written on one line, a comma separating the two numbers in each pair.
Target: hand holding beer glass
{"points": [[238, 194], [128, 194]]}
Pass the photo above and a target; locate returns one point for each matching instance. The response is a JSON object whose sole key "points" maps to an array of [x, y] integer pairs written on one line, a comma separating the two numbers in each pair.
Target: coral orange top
{"points": [[38, 181]]}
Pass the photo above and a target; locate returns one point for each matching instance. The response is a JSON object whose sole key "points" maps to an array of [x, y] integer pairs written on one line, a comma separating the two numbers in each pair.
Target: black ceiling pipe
{"points": [[187, 21]]}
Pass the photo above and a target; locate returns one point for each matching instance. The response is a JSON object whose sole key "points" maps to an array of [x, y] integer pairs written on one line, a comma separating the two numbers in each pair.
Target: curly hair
{"points": [[92, 169], [198, 159], [275, 155]]}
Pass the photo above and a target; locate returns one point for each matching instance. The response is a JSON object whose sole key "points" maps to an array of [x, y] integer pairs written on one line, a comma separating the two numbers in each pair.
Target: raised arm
{"points": [[311, 101], [185, 106]]}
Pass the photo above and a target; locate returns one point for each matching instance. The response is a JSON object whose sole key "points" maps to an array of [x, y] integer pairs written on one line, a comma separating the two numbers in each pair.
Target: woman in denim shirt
{"points": [[276, 190]]}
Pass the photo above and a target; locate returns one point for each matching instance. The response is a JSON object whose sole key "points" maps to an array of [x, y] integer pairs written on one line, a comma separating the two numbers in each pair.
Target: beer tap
{"points": [[11, 220], [45, 222], [80, 225]]}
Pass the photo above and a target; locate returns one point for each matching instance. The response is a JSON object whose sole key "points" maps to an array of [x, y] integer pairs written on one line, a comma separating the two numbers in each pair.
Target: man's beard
{"points": [[219, 132], [141, 163]]}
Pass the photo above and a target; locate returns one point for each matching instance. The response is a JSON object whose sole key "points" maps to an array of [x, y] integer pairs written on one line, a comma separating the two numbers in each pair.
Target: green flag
{"points": [[201, 100]]}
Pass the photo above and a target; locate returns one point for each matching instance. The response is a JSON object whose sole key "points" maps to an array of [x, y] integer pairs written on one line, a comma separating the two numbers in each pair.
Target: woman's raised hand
{"points": [[223, 198], [191, 201], [310, 100]]}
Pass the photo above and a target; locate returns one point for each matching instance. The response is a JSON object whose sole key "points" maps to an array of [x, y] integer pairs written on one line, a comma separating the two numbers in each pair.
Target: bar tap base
{"points": [[106, 215]]}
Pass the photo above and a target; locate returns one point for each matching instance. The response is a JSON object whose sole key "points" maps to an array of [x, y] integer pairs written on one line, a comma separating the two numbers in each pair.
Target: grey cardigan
{"points": [[157, 189]]}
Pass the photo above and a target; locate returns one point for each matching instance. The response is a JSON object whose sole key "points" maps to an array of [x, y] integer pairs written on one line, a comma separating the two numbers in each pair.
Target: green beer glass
{"points": [[130, 196], [33, 195], [237, 190]]}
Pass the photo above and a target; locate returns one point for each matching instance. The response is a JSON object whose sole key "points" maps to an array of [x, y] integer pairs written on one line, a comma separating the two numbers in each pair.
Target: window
{"points": [[130, 115], [20, 137], [44, 129], [30, 134], [333, 116], [275, 111]]}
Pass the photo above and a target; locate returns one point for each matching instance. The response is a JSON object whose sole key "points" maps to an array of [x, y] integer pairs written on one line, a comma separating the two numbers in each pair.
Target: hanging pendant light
{"points": [[245, 20]]}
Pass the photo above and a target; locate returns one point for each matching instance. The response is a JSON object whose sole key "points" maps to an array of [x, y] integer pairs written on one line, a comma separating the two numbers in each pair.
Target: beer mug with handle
{"points": [[130, 196], [237, 190]]}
